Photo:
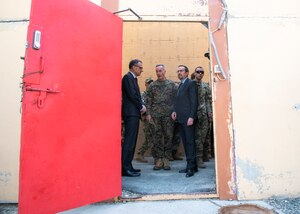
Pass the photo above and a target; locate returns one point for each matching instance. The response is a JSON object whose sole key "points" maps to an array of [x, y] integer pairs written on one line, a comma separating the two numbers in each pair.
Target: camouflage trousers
{"points": [[208, 146], [162, 145], [149, 132], [201, 131]]}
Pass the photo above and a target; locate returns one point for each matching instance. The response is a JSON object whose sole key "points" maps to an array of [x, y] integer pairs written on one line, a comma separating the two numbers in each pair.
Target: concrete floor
{"points": [[198, 206], [170, 182], [164, 207]]}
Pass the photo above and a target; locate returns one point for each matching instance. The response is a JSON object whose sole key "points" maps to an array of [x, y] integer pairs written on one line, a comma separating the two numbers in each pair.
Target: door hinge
{"points": [[43, 94]]}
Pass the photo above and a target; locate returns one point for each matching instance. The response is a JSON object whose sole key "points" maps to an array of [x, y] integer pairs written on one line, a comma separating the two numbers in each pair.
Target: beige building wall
{"points": [[264, 63], [13, 27], [168, 43], [166, 10], [10, 95]]}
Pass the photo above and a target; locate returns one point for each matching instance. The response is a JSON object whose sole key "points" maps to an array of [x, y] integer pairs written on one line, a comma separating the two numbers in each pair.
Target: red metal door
{"points": [[71, 120]]}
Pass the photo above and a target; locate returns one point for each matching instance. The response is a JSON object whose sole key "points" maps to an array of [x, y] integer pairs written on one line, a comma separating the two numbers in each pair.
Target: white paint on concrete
{"points": [[264, 64], [14, 9], [12, 43]]}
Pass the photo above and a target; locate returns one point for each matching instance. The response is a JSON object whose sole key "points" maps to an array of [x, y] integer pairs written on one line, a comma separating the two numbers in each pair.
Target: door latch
{"points": [[43, 94], [37, 40]]}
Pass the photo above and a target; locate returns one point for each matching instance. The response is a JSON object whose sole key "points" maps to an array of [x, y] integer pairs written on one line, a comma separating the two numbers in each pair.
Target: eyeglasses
{"points": [[140, 67], [199, 72], [180, 70]]}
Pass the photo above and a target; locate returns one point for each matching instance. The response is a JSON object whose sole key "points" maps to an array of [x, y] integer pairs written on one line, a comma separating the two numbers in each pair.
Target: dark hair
{"points": [[134, 62], [199, 67], [185, 68]]}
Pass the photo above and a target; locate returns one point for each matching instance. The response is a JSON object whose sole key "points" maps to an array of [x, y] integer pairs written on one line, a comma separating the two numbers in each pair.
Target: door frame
{"points": [[222, 111]]}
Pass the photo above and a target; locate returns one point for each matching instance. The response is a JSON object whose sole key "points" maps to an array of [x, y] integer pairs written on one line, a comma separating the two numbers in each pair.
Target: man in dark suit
{"points": [[132, 108], [185, 112]]}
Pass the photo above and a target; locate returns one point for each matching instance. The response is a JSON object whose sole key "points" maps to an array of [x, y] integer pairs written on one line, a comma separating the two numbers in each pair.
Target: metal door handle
{"points": [[29, 88], [43, 94]]}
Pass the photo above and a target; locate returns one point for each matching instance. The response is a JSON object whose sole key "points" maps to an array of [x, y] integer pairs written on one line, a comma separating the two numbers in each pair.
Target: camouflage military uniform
{"points": [[149, 132], [159, 102], [202, 125]]}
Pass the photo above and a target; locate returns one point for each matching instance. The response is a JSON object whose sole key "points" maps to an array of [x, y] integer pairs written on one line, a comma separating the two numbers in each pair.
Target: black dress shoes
{"points": [[135, 170], [189, 173], [130, 173], [185, 170]]}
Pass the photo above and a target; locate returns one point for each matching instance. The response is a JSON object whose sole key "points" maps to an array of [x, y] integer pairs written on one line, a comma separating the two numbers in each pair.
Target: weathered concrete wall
{"points": [[263, 55], [167, 43], [166, 10]]}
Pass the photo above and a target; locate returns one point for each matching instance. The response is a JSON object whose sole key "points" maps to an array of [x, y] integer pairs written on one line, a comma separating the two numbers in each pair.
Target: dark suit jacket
{"points": [[186, 101], [131, 97]]}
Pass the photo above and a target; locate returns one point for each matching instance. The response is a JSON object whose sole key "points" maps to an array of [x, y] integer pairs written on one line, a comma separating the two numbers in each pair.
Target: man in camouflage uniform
{"points": [[204, 115], [159, 102], [148, 128]]}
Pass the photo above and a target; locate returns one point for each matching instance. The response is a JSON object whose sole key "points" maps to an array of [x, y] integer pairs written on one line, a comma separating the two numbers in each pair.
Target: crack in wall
{"points": [[14, 21]]}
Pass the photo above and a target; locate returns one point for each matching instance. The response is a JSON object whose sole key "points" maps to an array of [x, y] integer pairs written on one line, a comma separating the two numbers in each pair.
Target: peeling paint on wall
{"points": [[253, 174], [232, 182], [5, 177], [250, 170], [257, 182], [297, 107]]}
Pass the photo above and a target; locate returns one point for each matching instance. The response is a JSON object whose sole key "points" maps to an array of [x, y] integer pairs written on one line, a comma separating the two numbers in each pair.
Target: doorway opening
{"points": [[171, 44]]}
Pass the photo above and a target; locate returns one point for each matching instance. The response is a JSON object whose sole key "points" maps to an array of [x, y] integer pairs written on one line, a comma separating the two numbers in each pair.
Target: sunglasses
{"points": [[199, 72]]}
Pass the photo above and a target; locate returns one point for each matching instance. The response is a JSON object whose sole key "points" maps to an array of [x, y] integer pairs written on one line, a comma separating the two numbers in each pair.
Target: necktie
{"points": [[136, 82], [179, 88]]}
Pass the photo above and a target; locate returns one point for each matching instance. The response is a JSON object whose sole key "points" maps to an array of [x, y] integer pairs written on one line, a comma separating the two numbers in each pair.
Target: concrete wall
{"points": [[170, 43], [166, 10], [264, 63], [13, 26]]}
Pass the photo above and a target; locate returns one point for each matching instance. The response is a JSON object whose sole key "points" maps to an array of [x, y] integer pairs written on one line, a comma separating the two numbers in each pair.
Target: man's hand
{"points": [[190, 121], [143, 110], [173, 115], [148, 117]]}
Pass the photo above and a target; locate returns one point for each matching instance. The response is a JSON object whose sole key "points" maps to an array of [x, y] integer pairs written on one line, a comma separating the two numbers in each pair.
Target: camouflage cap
{"points": [[148, 80]]}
